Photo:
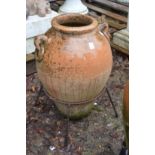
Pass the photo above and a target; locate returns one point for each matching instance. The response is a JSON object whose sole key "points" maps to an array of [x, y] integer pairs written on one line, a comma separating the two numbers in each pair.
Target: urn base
{"points": [[75, 111]]}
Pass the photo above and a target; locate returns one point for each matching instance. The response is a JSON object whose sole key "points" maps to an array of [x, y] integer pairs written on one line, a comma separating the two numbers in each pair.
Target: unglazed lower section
{"points": [[73, 90], [74, 111]]}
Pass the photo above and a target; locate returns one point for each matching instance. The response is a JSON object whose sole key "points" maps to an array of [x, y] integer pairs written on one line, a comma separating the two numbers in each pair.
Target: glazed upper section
{"points": [[74, 23]]}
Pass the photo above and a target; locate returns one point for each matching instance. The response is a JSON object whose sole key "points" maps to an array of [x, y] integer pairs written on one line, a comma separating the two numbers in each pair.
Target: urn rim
{"points": [[74, 23]]}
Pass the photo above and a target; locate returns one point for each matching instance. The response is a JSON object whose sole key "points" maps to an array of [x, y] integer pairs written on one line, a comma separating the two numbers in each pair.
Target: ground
{"points": [[100, 133]]}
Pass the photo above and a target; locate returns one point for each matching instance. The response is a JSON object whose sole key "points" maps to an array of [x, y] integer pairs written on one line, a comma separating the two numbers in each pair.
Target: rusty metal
{"points": [[66, 141], [111, 101], [40, 90]]}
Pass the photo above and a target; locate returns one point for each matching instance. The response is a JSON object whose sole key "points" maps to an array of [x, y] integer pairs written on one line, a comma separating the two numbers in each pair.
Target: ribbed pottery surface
{"points": [[75, 68]]}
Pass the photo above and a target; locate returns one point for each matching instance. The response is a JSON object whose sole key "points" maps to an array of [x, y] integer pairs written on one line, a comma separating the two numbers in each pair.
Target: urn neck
{"points": [[74, 23]]}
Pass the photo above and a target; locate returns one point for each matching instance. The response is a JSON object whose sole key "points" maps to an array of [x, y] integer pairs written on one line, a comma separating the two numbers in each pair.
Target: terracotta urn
{"points": [[74, 61], [126, 110]]}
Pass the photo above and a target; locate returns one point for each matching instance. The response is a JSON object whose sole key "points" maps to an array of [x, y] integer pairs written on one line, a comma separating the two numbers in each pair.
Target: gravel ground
{"points": [[101, 133]]}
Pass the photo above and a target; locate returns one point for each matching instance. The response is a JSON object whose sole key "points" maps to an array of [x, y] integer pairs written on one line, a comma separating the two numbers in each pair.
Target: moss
{"points": [[87, 153], [97, 109], [75, 111]]}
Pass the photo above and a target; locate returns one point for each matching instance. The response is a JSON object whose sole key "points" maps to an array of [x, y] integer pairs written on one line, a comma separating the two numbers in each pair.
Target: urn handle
{"points": [[39, 42], [104, 28]]}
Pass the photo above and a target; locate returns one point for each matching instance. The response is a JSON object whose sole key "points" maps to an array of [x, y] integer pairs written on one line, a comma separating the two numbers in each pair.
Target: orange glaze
{"points": [[77, 61]]}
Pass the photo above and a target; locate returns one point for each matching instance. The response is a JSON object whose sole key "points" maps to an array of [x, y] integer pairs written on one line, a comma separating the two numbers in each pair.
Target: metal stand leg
{"points": [[116, 114]]}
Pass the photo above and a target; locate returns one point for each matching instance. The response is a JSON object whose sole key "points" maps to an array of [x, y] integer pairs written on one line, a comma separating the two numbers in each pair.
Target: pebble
{"points": [[95, 104], [52, 148]]}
